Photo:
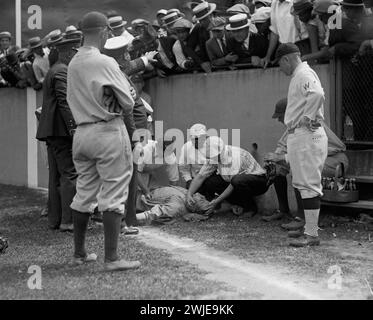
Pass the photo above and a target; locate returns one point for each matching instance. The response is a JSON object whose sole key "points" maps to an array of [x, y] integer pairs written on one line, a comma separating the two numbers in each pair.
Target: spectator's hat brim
{"points": [[352, 3], [240, 21], [201, 12]]}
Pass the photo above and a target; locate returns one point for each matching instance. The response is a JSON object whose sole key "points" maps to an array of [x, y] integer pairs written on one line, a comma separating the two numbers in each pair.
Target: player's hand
{"points": [[211, 207], [151, 56], [189, 200]]}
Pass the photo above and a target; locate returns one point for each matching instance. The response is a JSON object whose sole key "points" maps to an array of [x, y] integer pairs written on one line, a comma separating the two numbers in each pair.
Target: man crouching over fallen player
{"points": [[230, 173]]}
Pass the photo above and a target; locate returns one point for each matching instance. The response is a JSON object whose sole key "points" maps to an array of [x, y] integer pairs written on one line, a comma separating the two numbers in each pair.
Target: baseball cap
{"points": [[198, 130], [280, 108], [94, 20], [284, 49], [213, 147]]}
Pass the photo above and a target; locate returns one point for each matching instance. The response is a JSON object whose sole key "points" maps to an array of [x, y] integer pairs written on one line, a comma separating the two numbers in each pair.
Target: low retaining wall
{"points": [[241, 99]]}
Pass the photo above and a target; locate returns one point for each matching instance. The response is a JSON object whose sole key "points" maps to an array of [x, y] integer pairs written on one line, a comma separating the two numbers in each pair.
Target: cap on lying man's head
{"points": [[198, 130]]}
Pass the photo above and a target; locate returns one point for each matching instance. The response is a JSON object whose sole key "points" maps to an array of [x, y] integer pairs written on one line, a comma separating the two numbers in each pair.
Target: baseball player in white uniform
{"points": [[307, 143]]}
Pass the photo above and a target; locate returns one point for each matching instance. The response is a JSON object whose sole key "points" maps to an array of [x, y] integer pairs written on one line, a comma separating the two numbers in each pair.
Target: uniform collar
{"points": [[299, 68]]}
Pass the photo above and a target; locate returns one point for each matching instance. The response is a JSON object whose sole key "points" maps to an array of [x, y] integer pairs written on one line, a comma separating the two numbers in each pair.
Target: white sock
{"points": [[311, 227]]}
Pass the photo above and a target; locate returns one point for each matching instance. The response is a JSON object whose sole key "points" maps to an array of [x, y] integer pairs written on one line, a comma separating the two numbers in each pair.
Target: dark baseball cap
{"points": [[280, 108], [94, 20], [286, 48]]}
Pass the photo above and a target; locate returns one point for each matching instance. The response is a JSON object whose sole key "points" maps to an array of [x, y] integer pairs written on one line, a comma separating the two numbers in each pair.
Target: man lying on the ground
{"points": [[191, 157], [167, 203], [336, 155], [239, 178]]}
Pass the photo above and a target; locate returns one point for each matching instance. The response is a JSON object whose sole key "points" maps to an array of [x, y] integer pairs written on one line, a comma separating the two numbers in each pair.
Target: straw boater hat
{"points": [[352, 3], [5, 34], [203, 10], [72, 33], [173, 10], [54, 37], [116, 46], [117, 22], [171, 19], [162, 12], [34, 43], [240, 21], [139, 23]]}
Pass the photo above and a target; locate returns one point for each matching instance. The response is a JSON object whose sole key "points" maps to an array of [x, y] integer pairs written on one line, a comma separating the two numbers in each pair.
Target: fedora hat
{"points": [[116, 22], [54, 37], [322, 6], [300, 6], [5, 34], [182, 24], [34, 43], [239, 8], [203, 10], [352, 3], [261, 15], [240, 21], [67, 44], [171, 18]]}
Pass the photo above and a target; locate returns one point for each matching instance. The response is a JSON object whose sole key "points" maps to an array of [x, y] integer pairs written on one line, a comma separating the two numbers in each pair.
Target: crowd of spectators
{"points": [[245, 35]]}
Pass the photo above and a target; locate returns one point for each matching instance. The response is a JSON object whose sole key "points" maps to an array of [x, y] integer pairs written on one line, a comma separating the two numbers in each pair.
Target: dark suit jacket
{"points": [[197, 40], [346, 40], [258, 46], [56, 119], [216, 55], [167, 43]]}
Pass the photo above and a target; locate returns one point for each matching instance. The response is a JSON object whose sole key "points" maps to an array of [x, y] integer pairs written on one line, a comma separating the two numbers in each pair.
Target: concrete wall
{"points": [[242, 100]]}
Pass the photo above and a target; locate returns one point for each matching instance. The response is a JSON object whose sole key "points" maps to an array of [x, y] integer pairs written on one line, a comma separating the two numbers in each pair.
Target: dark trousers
{"points": [[54, 200], [130, 217], [281, 187], [246, 187], [61, 154]]}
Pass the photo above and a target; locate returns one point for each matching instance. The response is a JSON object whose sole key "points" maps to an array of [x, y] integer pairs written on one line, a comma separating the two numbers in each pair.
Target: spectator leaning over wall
{"points": [[285, 28], [245, 42], [199, 35], [315, 28], [217, 46], [41, 61]]}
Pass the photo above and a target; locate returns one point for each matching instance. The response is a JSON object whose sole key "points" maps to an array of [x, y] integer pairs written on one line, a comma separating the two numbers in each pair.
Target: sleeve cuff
{"points": [[145, 60]]}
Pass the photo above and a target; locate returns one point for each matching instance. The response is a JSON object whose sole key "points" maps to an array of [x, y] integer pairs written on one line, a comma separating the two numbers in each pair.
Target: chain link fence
{"points": [[357, 99]]}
